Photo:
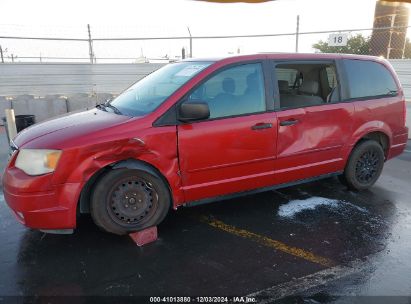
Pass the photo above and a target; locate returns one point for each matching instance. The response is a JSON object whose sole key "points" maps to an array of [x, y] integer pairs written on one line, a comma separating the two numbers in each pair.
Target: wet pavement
{"points": [[314, 243]]}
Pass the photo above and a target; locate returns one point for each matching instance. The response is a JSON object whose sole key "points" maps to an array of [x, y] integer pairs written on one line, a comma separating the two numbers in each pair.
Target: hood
{"points": [[71, 125]]}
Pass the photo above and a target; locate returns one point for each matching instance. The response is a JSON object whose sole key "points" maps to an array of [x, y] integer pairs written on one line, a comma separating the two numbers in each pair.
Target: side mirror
{"points": [[190, 111]]}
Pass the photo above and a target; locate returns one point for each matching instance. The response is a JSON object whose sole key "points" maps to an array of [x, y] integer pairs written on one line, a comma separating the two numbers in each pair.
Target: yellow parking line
{"points": [[263, 240]]}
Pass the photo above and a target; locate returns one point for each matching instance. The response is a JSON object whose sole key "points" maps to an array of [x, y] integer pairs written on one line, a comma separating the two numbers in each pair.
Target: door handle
{"points": [[261, 126], [289, 122]]}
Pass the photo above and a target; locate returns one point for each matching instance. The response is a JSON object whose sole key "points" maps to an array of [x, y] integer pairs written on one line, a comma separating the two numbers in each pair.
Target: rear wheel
{"points": [[127, 200], [364, 166]]}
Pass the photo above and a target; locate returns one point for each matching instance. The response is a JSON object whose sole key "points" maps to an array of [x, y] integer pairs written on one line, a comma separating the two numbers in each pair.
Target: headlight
{"points": [[37, 161]]}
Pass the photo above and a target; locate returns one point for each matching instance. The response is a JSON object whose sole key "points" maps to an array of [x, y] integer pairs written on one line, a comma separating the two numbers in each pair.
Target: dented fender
{"points": [[152, 149]]}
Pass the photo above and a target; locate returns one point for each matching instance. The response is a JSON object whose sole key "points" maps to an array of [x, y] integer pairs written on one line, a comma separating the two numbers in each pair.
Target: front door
{"points": [[234, 150]]}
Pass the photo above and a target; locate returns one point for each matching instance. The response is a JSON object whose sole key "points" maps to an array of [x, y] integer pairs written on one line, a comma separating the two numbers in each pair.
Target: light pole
{"points": [[191, 42]]}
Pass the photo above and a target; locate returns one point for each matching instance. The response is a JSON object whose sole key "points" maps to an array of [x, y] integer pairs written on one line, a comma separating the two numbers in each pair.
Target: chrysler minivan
{"points": [[202, 130]]}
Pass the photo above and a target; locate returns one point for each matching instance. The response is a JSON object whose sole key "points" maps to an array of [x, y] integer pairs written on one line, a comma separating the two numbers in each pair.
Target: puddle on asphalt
{"points": [[294, 207]]}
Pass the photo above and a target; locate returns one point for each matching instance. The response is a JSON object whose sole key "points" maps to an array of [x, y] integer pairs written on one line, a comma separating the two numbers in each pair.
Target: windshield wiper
{"points": [[109, 105], [101, 107]]}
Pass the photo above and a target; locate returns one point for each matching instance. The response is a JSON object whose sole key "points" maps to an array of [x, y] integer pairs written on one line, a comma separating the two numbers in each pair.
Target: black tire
{"points": [[364, 166], [126, 200]]}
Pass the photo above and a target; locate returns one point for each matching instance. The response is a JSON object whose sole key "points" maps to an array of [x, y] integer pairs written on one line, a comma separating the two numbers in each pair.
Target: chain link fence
{"points": [[78, 45]]}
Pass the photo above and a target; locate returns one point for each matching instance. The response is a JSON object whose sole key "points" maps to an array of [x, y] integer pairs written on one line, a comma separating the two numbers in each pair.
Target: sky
{"points": [[148, 18]]}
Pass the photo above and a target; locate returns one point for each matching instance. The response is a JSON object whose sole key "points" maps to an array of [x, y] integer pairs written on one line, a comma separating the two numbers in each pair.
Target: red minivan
{"points": [[202, 130]]}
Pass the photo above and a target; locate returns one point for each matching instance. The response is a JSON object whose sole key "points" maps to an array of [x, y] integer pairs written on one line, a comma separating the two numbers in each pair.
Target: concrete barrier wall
{"points": [[42, 108], [50, 105]]}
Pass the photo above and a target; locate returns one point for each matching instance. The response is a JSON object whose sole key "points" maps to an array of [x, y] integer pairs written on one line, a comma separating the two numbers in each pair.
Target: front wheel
{"points": [[364, 166], [125, 201]]}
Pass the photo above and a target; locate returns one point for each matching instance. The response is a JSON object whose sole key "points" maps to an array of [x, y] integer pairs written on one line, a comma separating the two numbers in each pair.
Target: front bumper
{"points": [[54, 208]]}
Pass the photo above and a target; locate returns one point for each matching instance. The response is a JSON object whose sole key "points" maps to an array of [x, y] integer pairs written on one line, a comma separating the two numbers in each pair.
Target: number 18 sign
{"points": [[337, 39]]}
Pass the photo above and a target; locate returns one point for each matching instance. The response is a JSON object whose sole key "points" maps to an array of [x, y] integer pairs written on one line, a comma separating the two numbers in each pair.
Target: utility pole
{"points": [[191, 42], [1, 54], [297, 32], [90, 45]]}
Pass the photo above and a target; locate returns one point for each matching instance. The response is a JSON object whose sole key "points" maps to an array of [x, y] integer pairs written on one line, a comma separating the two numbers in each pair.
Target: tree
{"points": [[357, 44]]}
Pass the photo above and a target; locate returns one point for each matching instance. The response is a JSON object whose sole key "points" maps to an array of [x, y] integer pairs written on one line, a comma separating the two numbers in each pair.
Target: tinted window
{"points": [[234, 91], [368, 79]]}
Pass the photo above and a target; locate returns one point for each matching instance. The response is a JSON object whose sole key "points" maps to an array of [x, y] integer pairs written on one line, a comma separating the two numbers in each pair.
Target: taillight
{"points": [[404, 112]]}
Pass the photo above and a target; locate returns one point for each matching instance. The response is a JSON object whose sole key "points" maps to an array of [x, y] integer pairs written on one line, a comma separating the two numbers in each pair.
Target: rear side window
{"points": [[303, 84], [369, 79]]}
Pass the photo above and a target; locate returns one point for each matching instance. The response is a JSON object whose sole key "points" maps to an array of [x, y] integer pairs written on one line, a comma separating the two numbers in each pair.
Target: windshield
{"points": [[150, 92]]}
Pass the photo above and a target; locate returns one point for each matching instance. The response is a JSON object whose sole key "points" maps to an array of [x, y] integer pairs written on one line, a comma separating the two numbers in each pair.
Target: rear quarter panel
{"points": [[382, 114], [376, 115]]}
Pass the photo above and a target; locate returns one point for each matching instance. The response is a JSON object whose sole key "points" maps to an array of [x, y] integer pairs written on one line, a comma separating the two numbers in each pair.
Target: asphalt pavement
{"points": [[313, 243]]}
